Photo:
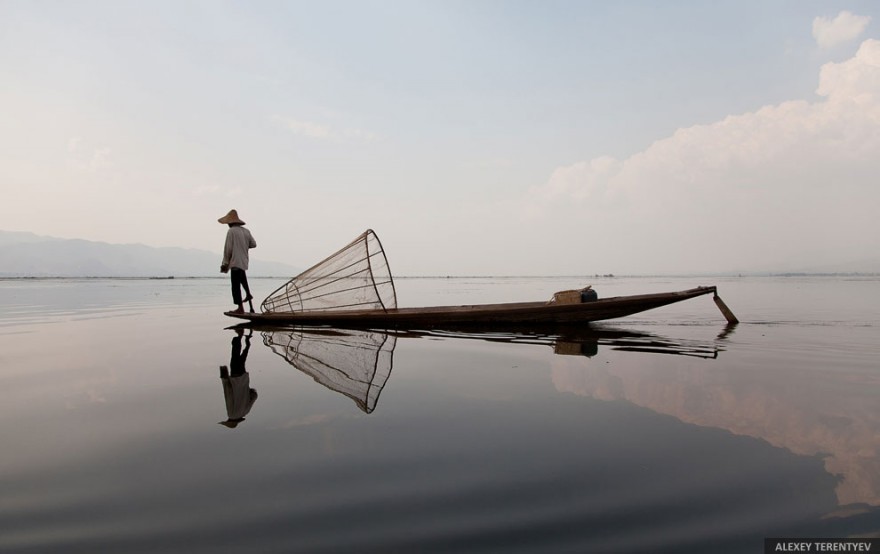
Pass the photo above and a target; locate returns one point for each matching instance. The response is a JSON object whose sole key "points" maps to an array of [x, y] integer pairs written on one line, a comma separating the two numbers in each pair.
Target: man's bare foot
{"points": [[239, 310], [249, 298]]}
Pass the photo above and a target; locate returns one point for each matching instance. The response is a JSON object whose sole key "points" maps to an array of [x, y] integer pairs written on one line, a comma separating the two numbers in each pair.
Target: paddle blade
{"points": [[728, 315]]}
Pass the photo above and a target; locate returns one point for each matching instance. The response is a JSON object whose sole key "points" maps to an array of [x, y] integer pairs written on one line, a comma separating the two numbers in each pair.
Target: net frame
{"points": [[355, 277]]}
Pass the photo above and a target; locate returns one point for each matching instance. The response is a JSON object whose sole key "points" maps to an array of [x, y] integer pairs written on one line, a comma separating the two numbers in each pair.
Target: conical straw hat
{"points": [[231, 217]]}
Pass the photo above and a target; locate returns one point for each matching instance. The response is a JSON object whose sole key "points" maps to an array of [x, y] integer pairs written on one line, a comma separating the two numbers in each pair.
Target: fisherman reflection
{"points": [[236, 383]]}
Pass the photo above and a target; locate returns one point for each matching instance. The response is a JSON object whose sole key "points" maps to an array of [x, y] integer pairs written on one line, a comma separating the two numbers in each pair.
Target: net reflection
{"points": [[352, 362]]}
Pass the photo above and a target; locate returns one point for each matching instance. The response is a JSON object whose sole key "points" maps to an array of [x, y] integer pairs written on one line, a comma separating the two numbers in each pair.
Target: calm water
{"points": [[662, 432]]}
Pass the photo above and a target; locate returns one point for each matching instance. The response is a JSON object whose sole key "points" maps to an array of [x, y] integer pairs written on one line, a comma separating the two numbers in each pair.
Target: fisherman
{"points": [[235, 258]]}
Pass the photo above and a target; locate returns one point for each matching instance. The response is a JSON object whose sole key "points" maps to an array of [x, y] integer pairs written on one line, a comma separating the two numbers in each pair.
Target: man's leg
{"points": [[235, 276], [247, 289]]}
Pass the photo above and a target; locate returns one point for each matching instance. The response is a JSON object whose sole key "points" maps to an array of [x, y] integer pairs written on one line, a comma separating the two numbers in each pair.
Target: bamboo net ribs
{"points": [[357, 277]]}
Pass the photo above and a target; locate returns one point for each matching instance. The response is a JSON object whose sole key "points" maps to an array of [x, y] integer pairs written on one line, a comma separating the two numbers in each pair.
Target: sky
{"points": [[475, 137]]}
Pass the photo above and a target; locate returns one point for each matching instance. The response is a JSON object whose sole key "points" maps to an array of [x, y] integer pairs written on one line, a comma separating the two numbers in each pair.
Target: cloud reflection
{"points": [[807, 410], [807, 414]]}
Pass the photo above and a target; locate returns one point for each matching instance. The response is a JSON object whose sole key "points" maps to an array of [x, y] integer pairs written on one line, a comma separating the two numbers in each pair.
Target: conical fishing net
{"points": [[357, 277], [354, 363]]}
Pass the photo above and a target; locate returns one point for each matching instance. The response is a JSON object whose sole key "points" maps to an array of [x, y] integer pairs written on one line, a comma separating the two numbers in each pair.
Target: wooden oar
{"points": [[728, 315]]}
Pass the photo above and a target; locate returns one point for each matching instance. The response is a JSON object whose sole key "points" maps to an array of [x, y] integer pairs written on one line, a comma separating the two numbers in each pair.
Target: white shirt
{"points": [[235, 252]]}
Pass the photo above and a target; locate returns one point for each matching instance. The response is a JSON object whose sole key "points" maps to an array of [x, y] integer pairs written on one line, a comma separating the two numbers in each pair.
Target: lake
{"points": [[661, 432]]}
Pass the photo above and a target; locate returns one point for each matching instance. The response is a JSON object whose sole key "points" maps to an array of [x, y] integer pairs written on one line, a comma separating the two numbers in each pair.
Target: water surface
{"points": [[664, 431]]}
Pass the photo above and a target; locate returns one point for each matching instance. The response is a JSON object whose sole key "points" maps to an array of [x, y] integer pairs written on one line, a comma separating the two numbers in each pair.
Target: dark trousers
{"points": [[239, 280]]}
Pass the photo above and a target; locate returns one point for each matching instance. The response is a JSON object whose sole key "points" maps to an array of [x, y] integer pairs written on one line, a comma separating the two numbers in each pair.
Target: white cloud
{"points": [[320, 131], [358, 134], [216, 190], [203, 190], [843, 28], [794, 177], [87, 157], [100, 159], [81, 160], [73, 144], [307, 128]]}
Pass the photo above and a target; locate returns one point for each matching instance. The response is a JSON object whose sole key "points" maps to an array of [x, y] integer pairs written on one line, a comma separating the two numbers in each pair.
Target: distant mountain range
{"points": [[30, 255]]}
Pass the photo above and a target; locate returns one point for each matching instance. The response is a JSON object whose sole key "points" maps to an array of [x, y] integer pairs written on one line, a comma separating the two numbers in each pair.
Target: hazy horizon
{"points": [[491, 138], [864, 267]]}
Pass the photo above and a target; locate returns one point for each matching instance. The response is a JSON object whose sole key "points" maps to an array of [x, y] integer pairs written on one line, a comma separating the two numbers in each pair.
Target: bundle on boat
{"points": [[353, 288], [576, 296], [356, 277]]}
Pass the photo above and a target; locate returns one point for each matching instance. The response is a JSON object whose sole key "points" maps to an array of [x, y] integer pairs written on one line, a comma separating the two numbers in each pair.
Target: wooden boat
{"points": [[518, 313], [353, 288]]}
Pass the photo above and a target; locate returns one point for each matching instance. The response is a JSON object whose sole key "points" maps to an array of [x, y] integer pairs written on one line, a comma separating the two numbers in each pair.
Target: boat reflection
{"points": [[586, 341], [358, 363]]}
